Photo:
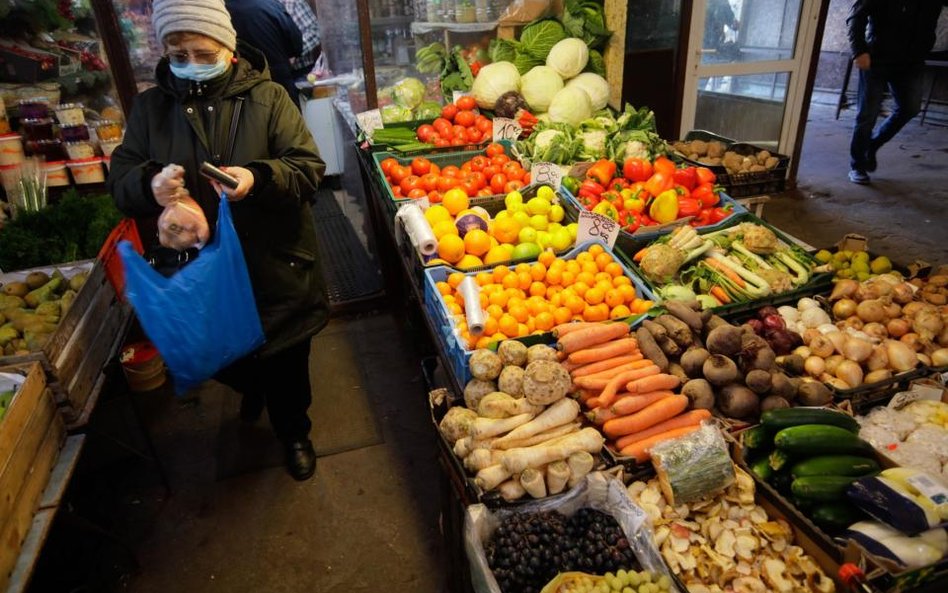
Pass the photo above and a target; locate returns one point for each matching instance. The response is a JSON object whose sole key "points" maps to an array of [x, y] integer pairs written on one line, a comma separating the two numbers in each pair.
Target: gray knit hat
{"points": [[207, 17]]}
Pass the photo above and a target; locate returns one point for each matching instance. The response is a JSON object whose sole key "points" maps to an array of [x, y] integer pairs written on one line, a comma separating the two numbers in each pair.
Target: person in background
{"points": [[214, 101], [266, 25], [302, 14], [889, 40], [719, 15]]}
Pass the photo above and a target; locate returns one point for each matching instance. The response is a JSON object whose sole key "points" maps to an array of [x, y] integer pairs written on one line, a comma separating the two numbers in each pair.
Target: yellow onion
{"points": [[821, 346], [856, 349], [876, 331], [833, 362], [903, 293], [844, 308], [870, 310], [836, 382], [844, 289], [892, 310], [901, 355], [803, 352], [850, 372], [852, 322], [878, 375], [898, 327], [814, 366], [838, 338], [912, 308], [925, 359], [878, 360], [913, 341], [940, 357]]}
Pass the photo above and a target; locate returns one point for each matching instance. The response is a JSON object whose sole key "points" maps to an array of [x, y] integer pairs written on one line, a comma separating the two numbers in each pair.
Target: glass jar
{"points": [[464, 12], [447, 11], [87, 171], [108, 130], [37, 129], [56, 175], [74, 133], [37, 108], [80, 150]]}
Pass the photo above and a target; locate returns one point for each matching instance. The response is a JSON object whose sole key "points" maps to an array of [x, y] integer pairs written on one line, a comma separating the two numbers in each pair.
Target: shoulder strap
{"points": [[232, 134]]}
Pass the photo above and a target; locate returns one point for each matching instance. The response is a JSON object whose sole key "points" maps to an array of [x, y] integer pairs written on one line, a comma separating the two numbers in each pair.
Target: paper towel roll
{"points": [[419, 231], [471, 293]]}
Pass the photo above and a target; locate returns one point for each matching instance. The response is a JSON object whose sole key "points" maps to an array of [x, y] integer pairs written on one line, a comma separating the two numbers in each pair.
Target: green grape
{"points": [[634, 578], [646, 576], [603, 587], [622, 575], [664, 583], [628, 590]]}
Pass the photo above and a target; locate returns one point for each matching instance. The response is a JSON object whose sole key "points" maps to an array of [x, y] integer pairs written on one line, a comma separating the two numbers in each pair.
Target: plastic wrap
{"points": [[471, 293], [418, 229], [598, 491], [693, 466], [182, 225]]}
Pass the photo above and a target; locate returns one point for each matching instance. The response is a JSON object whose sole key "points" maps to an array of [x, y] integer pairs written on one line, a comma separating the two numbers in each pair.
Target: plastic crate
{"points": [[741, 185], [442, 158], [126, 230], [445, 328], [707, 137]]}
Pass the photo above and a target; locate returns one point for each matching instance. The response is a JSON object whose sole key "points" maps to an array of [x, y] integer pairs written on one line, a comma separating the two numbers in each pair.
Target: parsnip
{"points": [[491, 427], [502, 405], [543, 437], [478, 460], [557, 474], [562, 412], [511, 490], [491, 477], [532, 481], [580, 464], [518, 459]]}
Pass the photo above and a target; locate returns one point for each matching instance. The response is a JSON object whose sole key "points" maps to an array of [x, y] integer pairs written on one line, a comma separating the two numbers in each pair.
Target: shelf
{"points": [[388, 21], [453, 27]]}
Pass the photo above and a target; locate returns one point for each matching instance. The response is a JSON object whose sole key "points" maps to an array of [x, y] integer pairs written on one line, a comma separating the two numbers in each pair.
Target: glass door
{"points": [[746, 71]]}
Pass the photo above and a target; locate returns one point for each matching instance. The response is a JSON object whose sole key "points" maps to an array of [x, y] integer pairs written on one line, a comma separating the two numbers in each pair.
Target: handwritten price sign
{"points": [[595, 227], [546, 174], [506, 129], [370, 120]]}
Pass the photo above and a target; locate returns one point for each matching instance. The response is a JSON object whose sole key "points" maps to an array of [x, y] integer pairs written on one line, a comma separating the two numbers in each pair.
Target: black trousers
{"points": [[282, 381]]}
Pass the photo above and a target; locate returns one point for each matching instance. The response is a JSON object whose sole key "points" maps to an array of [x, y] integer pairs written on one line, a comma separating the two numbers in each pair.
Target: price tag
{"points": [[596, 227], [546, 174], [506, 129], [929, 487], [370, 120]]}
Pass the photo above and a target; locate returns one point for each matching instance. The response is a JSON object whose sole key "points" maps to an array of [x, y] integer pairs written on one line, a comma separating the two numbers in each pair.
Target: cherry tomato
{"points": [[446, 183], [420, 166], [450, 171], [473, 135], [466, 102], [434, 197], [387, 165], [464, 118], [449, 111], [417, 193], [398, 173], [494, 149], [479, 162], [497, 183], [425, 131], [513, 170], [513, 186]]}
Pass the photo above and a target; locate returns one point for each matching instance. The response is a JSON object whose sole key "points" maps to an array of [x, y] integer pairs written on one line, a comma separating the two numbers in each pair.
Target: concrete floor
{"points": [[369, 520]]}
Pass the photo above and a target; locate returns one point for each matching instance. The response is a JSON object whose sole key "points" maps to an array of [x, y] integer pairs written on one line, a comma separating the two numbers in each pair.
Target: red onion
{"points": [[774, 322], [783, 341], [767, 311], [757, 324]]}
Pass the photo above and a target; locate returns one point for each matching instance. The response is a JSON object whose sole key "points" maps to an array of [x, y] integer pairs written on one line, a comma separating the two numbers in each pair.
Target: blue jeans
{"points": [[905, 84]]}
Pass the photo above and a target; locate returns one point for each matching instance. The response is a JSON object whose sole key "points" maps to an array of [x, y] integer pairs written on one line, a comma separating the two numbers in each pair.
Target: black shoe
{"points": [[251, 408], [300, 459]]}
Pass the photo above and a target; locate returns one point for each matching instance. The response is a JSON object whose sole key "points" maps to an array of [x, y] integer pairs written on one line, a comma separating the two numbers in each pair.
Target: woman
{"points": [[212, 104]]}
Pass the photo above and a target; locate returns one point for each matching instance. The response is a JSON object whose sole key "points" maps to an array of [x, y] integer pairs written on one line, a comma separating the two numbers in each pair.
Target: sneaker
{"points": [[857, 176]]}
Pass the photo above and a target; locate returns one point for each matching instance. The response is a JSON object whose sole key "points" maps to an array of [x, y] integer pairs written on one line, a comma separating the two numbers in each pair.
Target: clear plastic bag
{"points": [[693, 466], [182, 225], [599, 491]]}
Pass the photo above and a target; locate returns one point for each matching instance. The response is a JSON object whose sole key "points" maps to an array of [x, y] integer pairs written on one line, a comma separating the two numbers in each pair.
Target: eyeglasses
{"points": [[180, 58]]}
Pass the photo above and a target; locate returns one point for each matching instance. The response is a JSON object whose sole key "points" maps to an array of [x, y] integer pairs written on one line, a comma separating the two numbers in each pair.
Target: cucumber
{"points": [[835, 515], [835, 465], [757, 437], [761, 468], [781, 481], [821, 488], [778, 419], [779, 460], [820, 439]]}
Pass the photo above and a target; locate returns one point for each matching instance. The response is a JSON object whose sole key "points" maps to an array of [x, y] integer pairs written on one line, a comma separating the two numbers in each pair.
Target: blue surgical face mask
{"points": [[199, 72]]}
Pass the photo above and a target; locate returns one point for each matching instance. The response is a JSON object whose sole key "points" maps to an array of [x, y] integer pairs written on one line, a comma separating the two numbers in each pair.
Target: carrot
{"points": [[600, 383], [653, 383], [571, 326], [726, 271], [590, 336], [640, 254], [691, 418], [598, 416], [662, 410], [586, 394], [641, 450], [609, 391], [610, 373], [638, 401], [606, 350], [718, 293], [603, 365]]}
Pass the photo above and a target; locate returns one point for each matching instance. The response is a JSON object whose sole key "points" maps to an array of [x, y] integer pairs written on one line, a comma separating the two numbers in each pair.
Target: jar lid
{"points": [[78, 142], [36, 120], [51, 164], [62, 106], [32, 100], [73, 125], [88, 161]]}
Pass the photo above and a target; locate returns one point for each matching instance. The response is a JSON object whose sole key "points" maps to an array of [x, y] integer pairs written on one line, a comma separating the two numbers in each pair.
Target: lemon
{"points": [[573, 229], [508, 247], [527, 234], [502, 215], [840, 256], [561, 239], [546, 192], [881, 265], [526, 250], [514, 198], [538, 206], [539, 222], [554, 226], [860, 256], [437, 213], [444, 227], [823, 256], [556, 213], [522, 218], [543, 239], [844, 273], [861, 276]]}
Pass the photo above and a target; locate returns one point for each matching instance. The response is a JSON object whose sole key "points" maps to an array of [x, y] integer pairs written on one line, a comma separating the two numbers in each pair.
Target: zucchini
{"points": [[779, 460], [821, 488], [835, 465], [820, 439], [835, 515], [761, 468], [778, 419], [757, 437]]}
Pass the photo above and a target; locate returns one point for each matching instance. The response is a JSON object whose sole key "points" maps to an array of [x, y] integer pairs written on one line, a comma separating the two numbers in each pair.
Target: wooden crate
{"points": [[84, 341], [31, 435]]}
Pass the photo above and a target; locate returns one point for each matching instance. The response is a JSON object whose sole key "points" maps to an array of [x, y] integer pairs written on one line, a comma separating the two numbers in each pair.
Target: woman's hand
{"points": [[245, 183], [862, 61], [168, 185]]}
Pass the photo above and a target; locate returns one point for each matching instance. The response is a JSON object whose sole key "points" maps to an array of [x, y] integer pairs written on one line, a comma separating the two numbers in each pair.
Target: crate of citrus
{"points": [[527, 300]]}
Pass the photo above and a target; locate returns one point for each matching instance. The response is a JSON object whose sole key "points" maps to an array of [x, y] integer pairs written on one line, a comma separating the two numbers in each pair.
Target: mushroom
{"points": [[773, 573]]}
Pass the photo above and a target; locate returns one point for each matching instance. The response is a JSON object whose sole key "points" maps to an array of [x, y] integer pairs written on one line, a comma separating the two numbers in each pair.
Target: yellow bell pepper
{"points": [[605, 208], [664, 208]]}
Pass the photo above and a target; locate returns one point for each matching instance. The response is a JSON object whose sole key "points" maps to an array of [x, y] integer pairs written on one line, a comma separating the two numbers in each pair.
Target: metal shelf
{"points": [[453, 27]]}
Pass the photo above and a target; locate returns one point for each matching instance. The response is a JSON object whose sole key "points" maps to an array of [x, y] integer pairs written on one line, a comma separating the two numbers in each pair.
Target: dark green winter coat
{"points": [[186, 123]]}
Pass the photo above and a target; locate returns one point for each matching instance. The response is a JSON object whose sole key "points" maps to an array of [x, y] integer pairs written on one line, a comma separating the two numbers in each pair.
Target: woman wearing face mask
{"points": [[214, 101]]}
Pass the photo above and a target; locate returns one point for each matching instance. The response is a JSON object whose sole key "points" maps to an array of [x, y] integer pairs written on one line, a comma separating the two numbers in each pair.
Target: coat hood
{"points": [[251, 69]]}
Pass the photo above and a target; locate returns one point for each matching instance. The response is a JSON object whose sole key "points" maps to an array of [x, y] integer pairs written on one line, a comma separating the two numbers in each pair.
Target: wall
{"points": [[761, 119]]}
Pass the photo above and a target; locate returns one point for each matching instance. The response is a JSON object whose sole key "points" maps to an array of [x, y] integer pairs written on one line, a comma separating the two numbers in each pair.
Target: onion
{"points": [[897, 327], [856, 349], [867, 292], [821, 346], [838, 338], [832, 362], [782, 341], [901, 356], [928, 323], [925, 359], [844, 308], [877, 376], [774, 322], [878, 359], [876, 331], [850, 372], [805, 352], [940, 357], [827, 328], [814, 366], [851, 323], [757, 324], [810, 334], [844, 288], [943, 336], [913, 341], [912, 308], [815, 317], [807, 303], [890, 278], [767, 311], [902, 293], [871, 310], [892, 310], [790, 314], [835, 382]]}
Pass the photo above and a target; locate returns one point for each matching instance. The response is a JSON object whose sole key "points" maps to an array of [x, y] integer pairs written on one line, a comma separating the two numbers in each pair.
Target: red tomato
{"points": [[469, 185], [446, 183], [513, 186], [441, 142], [398, 173], [417, 193], [464, 118], [425, 132], [466, 167], [494, 149], [435, 169], [387, 165], [497, 183], [484, 192], [429, 181], [473, 135], [705, 175], [434, 197], [513, 170], [409, 183], [499, 160], [665, 165], [449, 111], [458, 142], [450, 171], [490, 170], [485, 126], [459, 132], [466, 102], [525, 179], [397, 191], [420, 166], [479, 178], [439, 124], [479, 162], [635, 169]]}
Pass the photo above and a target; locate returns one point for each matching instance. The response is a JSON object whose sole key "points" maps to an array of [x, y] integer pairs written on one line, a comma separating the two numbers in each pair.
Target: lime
{"points": [[526, 250]]}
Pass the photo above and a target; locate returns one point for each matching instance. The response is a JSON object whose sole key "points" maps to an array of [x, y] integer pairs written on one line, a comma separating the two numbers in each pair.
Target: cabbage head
{"points": [[409, 92], [570, 106], [494, 80], [395, 113], [568, 57], [595, 86], [538, 87], [539, 37], [428, 110]]}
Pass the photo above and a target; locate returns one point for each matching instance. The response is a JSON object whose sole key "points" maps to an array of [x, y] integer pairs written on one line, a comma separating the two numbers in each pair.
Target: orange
{"points": [[536, 305], [522, 268], [499, 298], [562, 315], [518, 312], [451, 249], [482, 297], [455, 309], [604, 277], [470, 261], [490, 326], [482, 342], [641, 306], [554, 276], [516, 295], [544, 321], [595, 249], [484, 278], [568, 278], [603, 260], [619, 312], [522, 330], [454, 279], [506, 230], [573, 267], [500, 272], [613, 269], [531, 325], [590, 268], [620, 280], [583, 257], [496, 255], [525, 280], [538, 271], [574, 303], [507, 325], [444, 288], [553, 292], [537, 289], [594, 295], [614, 298], [586, 278], [604, 286], [455, 200], [580, 288], [498, 337], [547, 258], [444, 227], [515, 301], [477, 242], [491, 288], [450, 298], [510, 281], [494, 311], [595, 313]]}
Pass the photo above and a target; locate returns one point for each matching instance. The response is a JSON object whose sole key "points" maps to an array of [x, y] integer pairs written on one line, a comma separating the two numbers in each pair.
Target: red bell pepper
{"points": [[591, 187], [688, 207], [705, 175], [682, 191], [686, 177], [588, 201], [630, 221], [703, 218], [636, 169], [658, 183], [706, 194], [720, 213], [618, 184], [613, 197], [602, 171], [665, 165]]}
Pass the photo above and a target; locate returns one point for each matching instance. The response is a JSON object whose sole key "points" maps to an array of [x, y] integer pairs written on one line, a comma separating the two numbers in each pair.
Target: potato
{"points": [[762, 156], [716, 149], [700, 147], [771, 162], [757, 168]]}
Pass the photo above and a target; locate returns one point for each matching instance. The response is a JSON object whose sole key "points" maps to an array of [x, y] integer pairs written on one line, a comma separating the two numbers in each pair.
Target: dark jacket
{"points": [[266, 25], [899, 31], [187, 123]]}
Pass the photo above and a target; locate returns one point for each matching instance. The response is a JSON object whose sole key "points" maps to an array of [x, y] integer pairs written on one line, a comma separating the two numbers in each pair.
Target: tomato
{"points": [[397, 191], [466, 102], [474, 135], [512, 170], [497, 183], [434, 197], [446, 183], [665, 165], [484, 192], [705, 194], [479, 179], [494, 149], [417, 193], [387, 165], [499, 160], [441, 142], [490, 170], [450, 171], [448, 112], [459, 131], [513, 186], [429, 181], [487, 136], [435, 169], [525, 179], [485, 126], [398, 173], [466, 168], [479, 162], [425, 131], [420, 166], [636, 169], [458, 142], [705, 175], [464, 118], [440, 124], [409, 183], [469, 185]]}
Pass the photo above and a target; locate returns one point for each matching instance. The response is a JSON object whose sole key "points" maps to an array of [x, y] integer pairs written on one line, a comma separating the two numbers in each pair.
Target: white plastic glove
{"points": [[183, 225], [168, 185]]}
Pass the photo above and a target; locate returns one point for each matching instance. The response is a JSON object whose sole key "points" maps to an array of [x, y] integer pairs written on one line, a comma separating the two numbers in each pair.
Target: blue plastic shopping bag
{"points": [[202, 318]]}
